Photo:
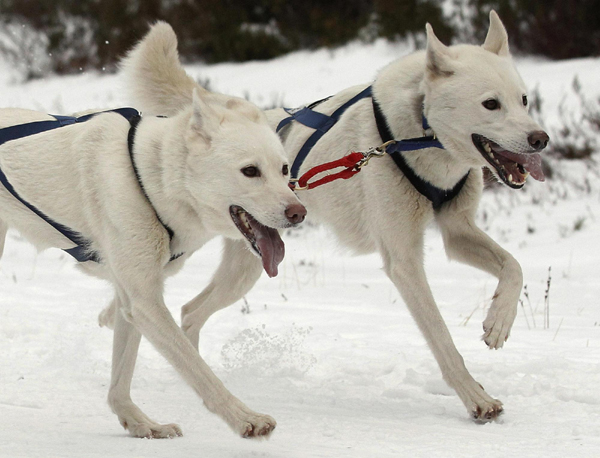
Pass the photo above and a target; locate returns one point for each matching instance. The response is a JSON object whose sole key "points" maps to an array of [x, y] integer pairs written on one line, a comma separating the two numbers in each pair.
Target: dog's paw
{"points": [[494, 338], [480, 405], [497, 325], [257, 426], [490, 411], [241, 419], [151, 430], [248, 423]]}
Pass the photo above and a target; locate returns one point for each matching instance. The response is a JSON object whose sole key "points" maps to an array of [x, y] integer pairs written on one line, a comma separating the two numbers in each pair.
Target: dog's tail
{"points": [[155, 79]]}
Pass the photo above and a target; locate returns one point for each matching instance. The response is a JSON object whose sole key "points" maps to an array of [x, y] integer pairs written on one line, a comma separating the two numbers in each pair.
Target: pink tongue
{"points": [[533, 164], [270, 245]]}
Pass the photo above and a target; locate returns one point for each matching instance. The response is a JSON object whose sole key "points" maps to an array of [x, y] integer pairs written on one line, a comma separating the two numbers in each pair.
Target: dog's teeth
{"points": [[244, 219], [487, 147], [510, 178]]}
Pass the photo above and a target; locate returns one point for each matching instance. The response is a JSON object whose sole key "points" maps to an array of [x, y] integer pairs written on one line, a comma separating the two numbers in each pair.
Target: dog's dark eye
{"points": [[251, 171], [491, 104], [524, 100], [285, 169]]}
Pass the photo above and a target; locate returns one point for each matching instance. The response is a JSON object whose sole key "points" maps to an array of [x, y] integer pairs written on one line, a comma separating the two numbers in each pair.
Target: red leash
{"points": [[350, 162], [353, 163]]}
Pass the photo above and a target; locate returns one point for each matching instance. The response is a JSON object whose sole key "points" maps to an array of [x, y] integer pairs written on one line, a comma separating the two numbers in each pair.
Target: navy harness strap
{"points": [[436, 195], [322, 123], [81, 251], [32, 128], [130, 142], [318, 121]]}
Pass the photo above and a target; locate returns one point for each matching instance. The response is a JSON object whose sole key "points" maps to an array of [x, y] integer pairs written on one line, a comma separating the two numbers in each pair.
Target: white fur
{"points": [[379, 210], [190, 165]]}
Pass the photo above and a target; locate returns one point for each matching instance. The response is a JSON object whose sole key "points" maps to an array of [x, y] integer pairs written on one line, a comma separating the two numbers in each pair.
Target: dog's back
{"points": [[55, 169]]}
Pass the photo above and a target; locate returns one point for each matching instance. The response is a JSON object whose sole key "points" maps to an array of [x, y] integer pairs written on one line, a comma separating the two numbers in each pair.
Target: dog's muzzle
{"points": [[514, 168]]}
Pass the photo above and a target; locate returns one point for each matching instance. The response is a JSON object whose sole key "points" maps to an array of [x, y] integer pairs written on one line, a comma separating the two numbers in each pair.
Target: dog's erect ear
{"points": [[155, 79], [439, 59], [245, 108], [496, 40], [204, 117]]}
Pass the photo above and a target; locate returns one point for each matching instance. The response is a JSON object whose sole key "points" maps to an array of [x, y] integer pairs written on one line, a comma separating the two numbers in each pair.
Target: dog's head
{"points": [[237, 174], [477, 105]]}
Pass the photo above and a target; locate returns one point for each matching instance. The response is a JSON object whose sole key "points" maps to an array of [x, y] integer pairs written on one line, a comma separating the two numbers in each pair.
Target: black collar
{"points": [[436, 195]]}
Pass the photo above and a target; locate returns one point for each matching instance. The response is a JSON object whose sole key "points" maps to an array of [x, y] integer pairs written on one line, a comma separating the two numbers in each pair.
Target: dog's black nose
{"points": [[295, 213], [538, 140]]}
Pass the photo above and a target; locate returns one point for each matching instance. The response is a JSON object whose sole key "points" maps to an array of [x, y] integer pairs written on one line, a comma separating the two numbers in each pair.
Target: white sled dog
{"points": [[476, 104], [137, 200]]}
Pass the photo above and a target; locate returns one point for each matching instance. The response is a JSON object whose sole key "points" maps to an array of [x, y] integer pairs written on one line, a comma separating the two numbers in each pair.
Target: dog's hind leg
{"points": [[3, 230], [465, 242], [405, 269], [107, 316], [236, 275], [125, 348]]}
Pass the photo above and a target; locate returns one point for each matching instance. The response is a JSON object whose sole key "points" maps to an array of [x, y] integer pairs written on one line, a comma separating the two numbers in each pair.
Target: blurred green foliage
{"points": [[79, 35]]}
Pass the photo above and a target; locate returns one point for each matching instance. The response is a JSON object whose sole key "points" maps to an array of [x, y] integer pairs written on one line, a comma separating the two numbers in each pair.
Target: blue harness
{"points": [[81, 251], [322, 123]]}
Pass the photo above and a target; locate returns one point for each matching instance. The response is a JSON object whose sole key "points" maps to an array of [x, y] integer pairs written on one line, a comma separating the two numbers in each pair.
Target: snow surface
{"points": [[327, 347]]}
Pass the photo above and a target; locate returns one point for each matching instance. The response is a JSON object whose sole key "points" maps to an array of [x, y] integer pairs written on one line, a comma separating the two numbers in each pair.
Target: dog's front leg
{"points": [[149, 315], [405, 269], [465, 242], [236, 275], [125, 348]]}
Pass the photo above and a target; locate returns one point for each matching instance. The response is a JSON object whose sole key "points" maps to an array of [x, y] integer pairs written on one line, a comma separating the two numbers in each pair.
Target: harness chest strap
{"points": [[437, 196], [318, 121], [322, 123], [81, 251]]}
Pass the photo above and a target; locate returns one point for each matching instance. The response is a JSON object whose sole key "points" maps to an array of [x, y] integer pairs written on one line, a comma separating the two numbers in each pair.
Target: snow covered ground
{"points": [[327, 347]]}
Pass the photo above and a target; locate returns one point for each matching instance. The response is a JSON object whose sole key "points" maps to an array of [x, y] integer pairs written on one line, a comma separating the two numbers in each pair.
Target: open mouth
{"points": [[265, 241], [512, 168]]}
